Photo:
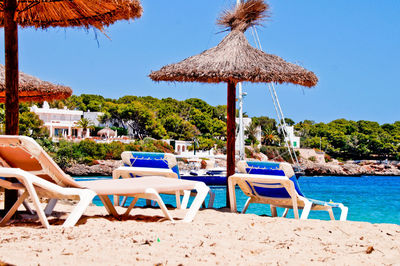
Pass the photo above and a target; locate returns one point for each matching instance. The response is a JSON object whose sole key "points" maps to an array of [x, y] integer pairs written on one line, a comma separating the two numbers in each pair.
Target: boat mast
{"points": [[241, 127]]}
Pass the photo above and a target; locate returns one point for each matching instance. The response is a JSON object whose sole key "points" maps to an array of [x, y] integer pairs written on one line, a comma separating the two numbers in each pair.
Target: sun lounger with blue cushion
{"points": [[138, 164], [275, 184]]}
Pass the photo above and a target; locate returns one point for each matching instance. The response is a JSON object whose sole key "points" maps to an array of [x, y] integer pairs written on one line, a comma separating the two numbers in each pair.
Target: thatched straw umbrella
{"points": [[52, 13], [32, 89], [234, 60], [107, 132], [44, 14]]}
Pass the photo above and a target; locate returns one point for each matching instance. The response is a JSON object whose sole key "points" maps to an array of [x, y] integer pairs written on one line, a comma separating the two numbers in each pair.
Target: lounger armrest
{"points": [[126, 172], [24, 176], [260, 178]]}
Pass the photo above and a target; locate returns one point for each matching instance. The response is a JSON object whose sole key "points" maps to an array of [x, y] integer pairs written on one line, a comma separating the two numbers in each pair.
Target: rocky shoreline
{"points": [[366, 168], [105, 168], [98, 168]]}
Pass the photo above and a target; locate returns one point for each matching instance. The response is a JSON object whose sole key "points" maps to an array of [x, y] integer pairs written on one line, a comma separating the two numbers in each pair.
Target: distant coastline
{"points": [[366, 168]]}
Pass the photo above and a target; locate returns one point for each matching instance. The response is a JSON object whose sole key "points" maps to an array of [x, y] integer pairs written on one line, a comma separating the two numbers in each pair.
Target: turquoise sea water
{"points": [[374, 199]]}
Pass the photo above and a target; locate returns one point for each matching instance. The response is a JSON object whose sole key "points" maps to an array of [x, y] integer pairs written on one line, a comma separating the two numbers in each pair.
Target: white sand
{"points": [[214, 237]]}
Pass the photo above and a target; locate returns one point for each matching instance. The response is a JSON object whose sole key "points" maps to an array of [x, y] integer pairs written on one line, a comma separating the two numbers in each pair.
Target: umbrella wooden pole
{"points": [[11, 73], [231, 130], [11, 60]]}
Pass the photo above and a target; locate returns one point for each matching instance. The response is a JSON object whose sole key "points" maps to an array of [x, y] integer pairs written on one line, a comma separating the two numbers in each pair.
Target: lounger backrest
{"points": [[267, 189], [25, 153], [150, 160]]}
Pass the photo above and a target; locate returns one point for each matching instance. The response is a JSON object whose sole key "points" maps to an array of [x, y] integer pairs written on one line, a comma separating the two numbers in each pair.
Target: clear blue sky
{"points": [[352, 46]]}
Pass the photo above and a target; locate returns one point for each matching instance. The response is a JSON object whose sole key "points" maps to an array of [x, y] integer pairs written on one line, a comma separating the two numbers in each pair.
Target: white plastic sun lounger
{"points": [[39, 175], [276, 184], [139, 164]]}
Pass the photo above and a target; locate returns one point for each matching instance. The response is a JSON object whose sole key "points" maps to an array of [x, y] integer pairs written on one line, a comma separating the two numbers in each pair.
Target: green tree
{"points": [[140, 119], [269, 137], [251, 132], [31, 125], [85, 124]]}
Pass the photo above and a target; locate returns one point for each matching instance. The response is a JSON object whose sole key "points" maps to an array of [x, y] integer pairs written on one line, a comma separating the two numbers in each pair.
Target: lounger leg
{"points": [[273, 211], [116, 175], [36, 203], [26, 205], [211, 199], [306, 210], [185, 200], [178, 199], [108, 205], [85, 199], [345, 210], [116, 201], [50, 206], [331, 214], [130, 207], [232, 194], [285, 212], [123, 200], [153, 194], [246, 205], [202, 191], [14, 208]]}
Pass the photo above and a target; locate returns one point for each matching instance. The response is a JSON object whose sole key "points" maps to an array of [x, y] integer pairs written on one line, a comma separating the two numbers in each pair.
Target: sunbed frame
{"points": [[39, 175], [292, 199]]}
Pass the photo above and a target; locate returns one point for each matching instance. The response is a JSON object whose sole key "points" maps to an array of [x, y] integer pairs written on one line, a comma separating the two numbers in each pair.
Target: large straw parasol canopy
{"points": [[234, 60], [67, 13], [32, 89]]}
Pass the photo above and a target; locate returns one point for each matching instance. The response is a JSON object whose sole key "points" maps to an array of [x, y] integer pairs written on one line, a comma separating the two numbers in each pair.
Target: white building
{"points": [[246, 123], [181, 147], [60, 122], [293, 140], [94, 117]]}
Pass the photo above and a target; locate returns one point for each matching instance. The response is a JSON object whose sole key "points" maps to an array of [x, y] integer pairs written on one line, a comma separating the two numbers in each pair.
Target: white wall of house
{"points": [[246, 124], [94, 117], [60, 122], [182, 148], [294, 140]]}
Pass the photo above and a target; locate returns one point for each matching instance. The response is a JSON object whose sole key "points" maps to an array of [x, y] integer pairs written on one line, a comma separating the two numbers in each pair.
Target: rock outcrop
{"points": [[99, 168], [351, 169]]}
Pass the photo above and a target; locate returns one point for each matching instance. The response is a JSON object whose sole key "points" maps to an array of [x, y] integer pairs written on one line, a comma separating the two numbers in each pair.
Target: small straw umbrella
{"points": [[234, 60], [32, 89], [107, 132]]}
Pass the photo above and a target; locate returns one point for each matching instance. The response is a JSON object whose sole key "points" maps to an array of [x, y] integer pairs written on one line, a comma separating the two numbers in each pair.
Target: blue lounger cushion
{"points": [[150, 160], [269, 168]]}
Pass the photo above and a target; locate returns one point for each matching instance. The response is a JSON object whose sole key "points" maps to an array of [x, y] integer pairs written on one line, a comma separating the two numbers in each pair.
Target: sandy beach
{"points": [[214, 237]]}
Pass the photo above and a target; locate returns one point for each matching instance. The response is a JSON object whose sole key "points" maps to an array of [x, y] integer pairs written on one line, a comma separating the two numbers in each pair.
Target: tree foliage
{"points": [[352, 139], [156, 118]]}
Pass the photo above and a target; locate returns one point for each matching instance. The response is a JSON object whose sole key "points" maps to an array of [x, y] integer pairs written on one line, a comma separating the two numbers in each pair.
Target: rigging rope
{"points": [[277, 106]]}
